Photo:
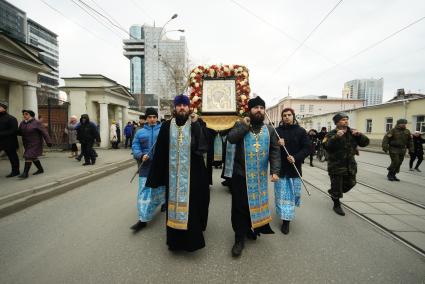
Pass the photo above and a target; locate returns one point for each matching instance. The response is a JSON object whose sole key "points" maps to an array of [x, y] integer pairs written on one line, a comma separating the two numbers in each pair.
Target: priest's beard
{"points": [[256, 118], [181, 117]]}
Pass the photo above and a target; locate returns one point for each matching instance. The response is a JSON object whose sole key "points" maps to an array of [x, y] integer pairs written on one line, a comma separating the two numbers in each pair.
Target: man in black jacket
{"points": [[288, 188], [87, 134], [8, 138]]}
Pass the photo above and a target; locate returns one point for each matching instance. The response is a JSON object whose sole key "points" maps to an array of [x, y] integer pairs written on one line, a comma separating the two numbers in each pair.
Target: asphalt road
{"points": [[83, 236]]}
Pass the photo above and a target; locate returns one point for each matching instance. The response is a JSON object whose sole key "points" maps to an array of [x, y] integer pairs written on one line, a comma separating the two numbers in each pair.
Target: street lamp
{"points": [[158, 55]]}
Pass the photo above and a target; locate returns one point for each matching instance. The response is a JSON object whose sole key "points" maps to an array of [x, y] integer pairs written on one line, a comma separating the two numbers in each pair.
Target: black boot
{"points": [[390, 176], [285, 227], [138, 226], [13, 174], [39, 168], [26, 170], [237, 248], [395, 178], [163, 207], [337, 207]]}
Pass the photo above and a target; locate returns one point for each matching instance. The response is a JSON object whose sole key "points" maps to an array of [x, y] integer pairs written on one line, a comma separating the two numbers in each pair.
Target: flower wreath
{"points": [[219, 71]]}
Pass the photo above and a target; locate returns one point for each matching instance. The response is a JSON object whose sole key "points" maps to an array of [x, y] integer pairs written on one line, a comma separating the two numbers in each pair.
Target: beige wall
{"points": [[378, 114]]}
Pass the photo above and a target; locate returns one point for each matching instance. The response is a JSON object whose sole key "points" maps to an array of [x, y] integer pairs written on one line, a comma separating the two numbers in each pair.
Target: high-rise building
{"points": [[158, 65], [46, 40], [14, 23], [369, 90]]}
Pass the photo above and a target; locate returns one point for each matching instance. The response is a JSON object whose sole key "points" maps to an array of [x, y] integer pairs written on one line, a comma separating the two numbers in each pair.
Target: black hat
{"points": [[401, 121], [337, 117], [257, 101], [30, 112], [151, 111], [4, 104]]}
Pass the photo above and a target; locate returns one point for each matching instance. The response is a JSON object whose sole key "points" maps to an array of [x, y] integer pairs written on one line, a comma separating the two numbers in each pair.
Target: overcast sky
{"points": [[262, 35]]}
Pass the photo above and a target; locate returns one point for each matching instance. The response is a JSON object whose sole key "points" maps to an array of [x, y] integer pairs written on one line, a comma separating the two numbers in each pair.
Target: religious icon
{"points": [[219, 96]]}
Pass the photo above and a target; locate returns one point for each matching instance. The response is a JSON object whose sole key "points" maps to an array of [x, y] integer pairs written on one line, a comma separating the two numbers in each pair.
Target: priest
{"points": [[179, 166]]}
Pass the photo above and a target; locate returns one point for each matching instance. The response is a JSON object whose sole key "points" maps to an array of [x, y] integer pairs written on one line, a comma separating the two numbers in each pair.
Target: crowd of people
{"points": [[175, 160]]}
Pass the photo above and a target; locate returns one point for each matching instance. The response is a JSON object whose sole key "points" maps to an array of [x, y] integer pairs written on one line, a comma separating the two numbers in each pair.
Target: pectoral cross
{"points": [[257, 146], [180, 137]]}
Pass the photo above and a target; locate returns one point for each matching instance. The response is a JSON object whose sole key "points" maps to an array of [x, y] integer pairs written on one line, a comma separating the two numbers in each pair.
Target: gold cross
{"points": [[251, 155], [180, 138], [257, 146]]}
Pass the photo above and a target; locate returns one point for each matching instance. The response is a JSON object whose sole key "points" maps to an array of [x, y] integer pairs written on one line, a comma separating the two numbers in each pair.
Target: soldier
{"points": [[396, 142], [341, 144]]}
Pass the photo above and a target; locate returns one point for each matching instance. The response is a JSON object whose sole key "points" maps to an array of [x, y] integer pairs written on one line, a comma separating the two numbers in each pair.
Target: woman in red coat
{"points": [[32, 132]]}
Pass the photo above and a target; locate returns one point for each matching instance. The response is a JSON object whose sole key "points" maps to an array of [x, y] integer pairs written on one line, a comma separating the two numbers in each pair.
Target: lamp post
{"points": [[158, 55]]}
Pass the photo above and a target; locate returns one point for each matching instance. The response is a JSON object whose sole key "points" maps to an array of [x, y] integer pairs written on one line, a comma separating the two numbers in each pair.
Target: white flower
{"points": [[192, 75], [243, 97], [242, 83], [196, 85], [225, 69], [195, 99], [195, 110], [240, 69], [245, 73], [211, 72], [241, 111], [231, 67]]}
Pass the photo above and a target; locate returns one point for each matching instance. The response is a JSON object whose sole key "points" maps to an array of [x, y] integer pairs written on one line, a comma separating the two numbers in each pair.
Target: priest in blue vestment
{"points": [[179, 166], [256, 147]]}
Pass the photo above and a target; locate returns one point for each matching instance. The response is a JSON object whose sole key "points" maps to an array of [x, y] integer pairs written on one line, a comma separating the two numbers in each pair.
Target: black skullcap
{"points": [[30, 112], [151, 111], [257, 101]]}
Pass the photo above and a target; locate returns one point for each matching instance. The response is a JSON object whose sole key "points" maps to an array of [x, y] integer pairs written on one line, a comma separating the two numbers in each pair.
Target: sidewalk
{"points": [[59, 172]]}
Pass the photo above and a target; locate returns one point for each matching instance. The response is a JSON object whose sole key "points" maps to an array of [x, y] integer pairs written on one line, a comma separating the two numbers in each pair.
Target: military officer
{"points": [[396, 142], [341, 144]]}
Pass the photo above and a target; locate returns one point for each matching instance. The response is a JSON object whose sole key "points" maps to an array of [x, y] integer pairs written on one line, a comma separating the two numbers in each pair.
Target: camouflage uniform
{"points": [[342, 166], [396, 142]]}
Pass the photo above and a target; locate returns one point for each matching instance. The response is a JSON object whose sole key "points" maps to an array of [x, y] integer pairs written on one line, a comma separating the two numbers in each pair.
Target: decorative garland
{"points": [[219, 71]]}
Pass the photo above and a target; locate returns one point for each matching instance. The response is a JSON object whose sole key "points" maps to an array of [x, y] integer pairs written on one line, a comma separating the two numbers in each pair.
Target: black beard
{"points": [[256, 118], [181, 118]]}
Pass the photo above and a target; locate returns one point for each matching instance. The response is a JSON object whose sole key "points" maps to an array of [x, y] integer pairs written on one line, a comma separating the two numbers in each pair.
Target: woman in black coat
{"points": [[33, 133]]}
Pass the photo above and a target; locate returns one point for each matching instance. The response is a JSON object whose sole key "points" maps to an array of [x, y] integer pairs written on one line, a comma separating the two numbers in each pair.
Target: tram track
{"points": [[374, 223], [420, 205]]}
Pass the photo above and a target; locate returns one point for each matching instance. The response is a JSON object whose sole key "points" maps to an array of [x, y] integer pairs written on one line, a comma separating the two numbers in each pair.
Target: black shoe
{"points": [[138, 226], [338, 210], [13, 174], [311, 165], [93, 162], [285, 227], [78, 159], [390, 176], [337, 207], [237, 248], [163, 207], [251, 236], [26, 170], [395, 178], [39, 168], [87, 164], [417, 169]]}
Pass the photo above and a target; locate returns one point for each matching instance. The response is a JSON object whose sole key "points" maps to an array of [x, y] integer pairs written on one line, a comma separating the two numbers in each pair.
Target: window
{"points": [[329, 126], [420, 123], [368, 125], [310, 108], [302, 108], [388, 124]]}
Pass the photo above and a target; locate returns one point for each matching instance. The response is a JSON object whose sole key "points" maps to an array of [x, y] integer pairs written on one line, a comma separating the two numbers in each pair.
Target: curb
{"points": [[18, 201]]}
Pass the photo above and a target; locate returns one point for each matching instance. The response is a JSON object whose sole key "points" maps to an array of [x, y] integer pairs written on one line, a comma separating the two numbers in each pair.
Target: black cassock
{"points": [[199, 197]]}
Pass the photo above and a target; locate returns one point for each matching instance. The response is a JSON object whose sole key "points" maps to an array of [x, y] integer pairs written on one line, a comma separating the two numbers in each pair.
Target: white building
{"points": [[369, 90], [102, 99], [158, 65], [306, 106]]}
